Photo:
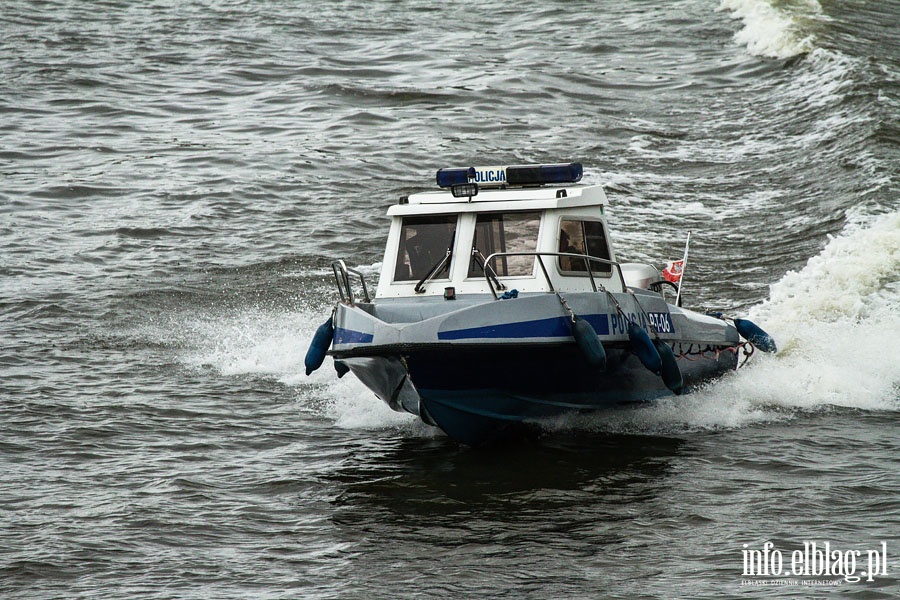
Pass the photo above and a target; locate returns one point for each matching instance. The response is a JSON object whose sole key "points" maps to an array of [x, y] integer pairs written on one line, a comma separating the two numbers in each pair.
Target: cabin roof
{"points": [[499, 200]]}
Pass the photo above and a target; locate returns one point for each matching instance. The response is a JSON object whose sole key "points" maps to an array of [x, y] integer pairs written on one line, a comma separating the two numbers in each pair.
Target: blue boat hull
{"points": [[478, 395]]}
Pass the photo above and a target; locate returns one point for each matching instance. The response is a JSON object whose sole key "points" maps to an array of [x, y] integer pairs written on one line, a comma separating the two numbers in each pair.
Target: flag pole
{"points": [[687, 245]]}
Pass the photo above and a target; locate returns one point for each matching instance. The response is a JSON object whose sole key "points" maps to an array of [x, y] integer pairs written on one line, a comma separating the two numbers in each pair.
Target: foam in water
{"points": [[273, 343], [774, 32], [837, 325], [250, 341], [353, 406]]}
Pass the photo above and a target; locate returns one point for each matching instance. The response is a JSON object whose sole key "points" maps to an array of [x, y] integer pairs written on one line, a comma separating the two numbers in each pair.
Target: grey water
{"points": [[176, 178]]}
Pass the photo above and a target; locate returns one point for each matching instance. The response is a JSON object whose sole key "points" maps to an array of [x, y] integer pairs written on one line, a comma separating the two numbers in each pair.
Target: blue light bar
{"points": [[544, 174], [450, 177], [519, 175]]}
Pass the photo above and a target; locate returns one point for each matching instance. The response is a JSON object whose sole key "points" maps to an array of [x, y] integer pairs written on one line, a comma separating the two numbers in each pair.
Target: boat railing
{"points": [[539, 256], [342, 275]]}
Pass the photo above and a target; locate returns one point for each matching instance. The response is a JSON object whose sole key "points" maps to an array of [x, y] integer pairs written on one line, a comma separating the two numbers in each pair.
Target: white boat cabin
{"points": [[522, 234]]}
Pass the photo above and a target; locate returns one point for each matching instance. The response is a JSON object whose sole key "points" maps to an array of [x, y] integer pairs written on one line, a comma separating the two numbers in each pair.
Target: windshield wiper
{"points": [[437, 268]]}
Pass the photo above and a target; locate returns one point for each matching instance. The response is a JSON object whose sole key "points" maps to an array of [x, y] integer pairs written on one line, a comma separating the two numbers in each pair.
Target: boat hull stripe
{"points": [[540, 328], [349, 336]]}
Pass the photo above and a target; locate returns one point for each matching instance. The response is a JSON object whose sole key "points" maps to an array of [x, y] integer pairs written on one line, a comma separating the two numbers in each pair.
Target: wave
{"points": [[837, 322], [775, 31]]}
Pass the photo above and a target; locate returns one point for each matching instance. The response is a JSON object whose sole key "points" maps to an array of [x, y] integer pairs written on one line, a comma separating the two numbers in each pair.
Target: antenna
{"points": [[684, 261]]}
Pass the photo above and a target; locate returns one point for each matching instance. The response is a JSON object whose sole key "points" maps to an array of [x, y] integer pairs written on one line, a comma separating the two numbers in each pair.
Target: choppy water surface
{"points": [[176, 177]]}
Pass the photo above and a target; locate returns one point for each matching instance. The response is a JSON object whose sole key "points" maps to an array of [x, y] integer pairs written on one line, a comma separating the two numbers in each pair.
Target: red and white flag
{"points": [[673, 270]]}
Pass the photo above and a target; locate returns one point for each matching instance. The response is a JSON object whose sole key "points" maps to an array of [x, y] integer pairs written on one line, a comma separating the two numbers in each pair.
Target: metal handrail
{"points": [[342, 278], [539, 256], [487, 269]]}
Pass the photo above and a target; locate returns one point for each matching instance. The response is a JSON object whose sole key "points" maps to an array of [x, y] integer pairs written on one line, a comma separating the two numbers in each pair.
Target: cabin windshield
{"points": [[583, 237], [424, 243], [505, 232]]}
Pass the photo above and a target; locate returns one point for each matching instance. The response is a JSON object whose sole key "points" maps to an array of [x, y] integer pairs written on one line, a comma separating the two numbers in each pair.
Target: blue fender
{"points": [[644, 348], [751, 332], [321, 342], [671, 374], [589, 344]]}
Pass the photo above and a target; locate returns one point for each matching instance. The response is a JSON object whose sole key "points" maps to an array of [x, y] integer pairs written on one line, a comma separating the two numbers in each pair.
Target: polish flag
{"points": [[673, 271]]}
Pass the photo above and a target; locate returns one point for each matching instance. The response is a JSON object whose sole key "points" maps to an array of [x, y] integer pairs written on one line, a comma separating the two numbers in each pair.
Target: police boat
{"points": [[501, 304]]}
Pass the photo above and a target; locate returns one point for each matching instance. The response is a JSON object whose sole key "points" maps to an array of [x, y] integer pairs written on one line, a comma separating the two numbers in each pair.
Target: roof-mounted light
{"points": [[518, 175], [464, 190]]}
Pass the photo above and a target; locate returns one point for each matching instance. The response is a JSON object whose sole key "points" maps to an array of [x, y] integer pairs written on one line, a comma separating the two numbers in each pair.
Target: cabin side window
{"points": [[424, 243], [505, 232], [583, 237]]}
